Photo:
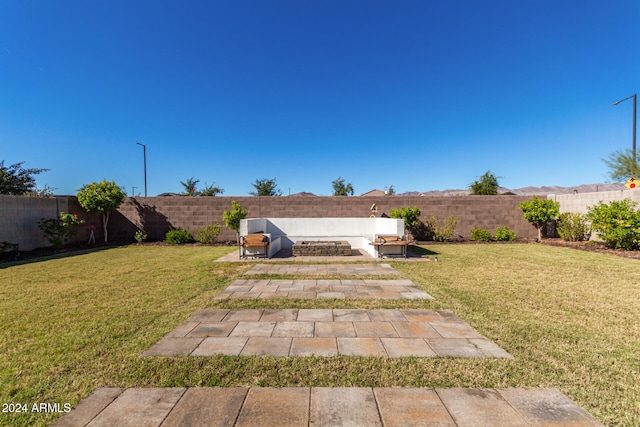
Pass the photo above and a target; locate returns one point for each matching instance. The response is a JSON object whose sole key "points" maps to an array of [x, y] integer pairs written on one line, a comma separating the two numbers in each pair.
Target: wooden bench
{"points": [[390, 241], [256, 240]]}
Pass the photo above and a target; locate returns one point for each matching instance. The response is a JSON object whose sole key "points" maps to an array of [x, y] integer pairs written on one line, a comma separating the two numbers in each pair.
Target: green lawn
{"points": [[571, 319]]}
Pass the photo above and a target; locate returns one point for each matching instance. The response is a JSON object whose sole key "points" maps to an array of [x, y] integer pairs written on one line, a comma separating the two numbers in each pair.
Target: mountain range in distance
{"points": [[527, 191]]}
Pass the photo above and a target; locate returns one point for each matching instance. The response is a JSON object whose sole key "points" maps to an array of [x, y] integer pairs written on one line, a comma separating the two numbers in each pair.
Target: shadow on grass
{"points": [[54, 255], [421, 251]]}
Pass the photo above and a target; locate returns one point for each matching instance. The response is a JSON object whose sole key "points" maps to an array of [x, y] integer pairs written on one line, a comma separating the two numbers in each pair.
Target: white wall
{"points": [[579, 202], [359, 232]]}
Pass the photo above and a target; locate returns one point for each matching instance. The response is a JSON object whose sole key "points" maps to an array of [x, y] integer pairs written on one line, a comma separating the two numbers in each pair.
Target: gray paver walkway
{"points": [[320, 406], [323, 269], [325, 332], [358, 255], [344, 289]]}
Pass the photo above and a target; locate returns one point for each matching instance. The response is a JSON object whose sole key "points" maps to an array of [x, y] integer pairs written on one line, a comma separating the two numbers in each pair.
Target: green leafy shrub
{"points": [[441, 234], [503, 234], [178, 236], [411, 216], [209, 234], [539, 212], [59, 230], [573, 227], [481, 235], [617, 223]]}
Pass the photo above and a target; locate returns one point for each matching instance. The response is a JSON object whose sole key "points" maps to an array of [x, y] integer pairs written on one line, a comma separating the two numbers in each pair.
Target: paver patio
{"points": [[321, 406], [344, 289], [323, 269], [325, 332]]}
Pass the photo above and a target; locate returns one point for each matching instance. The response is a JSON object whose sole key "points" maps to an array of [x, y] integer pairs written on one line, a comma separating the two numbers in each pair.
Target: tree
{"points": [[390, 191], [539, 212], [210, 190], [190, 187], [342, 189], [487, 185], [101, 196], [15, 180], [622, 165], [191, 190], [265, 187], [232, 217]]}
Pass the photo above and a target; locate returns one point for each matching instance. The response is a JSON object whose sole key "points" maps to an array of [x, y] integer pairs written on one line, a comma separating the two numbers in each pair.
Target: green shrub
{"points": [[573, 227], [411, 216], [481, 235], [59, 230], [178, 236], [443, 234], [209, 234], [617, 223], [503, 234]]}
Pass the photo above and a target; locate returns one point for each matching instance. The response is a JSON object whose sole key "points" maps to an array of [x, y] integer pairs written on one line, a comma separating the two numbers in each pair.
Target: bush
{"points": [[59, 230], [617, 223], [481, 235], [209, 234], [503, 234], [441, 234], [411, 216], [178, 236], [573, 227]]}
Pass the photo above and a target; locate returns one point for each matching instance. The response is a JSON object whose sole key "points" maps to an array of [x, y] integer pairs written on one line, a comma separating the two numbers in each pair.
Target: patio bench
{"points": [[382, 242], [254, 241]]}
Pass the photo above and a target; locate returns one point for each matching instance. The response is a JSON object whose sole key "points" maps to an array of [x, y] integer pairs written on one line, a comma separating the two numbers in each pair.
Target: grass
{"points": [[571, 319]]}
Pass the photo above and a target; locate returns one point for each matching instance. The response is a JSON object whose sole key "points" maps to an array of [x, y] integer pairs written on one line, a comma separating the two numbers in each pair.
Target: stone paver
{"points": [[311, 289], [357, 255], [323, 269], [323, 406], [326, 332]]}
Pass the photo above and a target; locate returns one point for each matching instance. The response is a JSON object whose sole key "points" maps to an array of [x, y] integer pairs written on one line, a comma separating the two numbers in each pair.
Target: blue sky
{"points": [[421, 95]]}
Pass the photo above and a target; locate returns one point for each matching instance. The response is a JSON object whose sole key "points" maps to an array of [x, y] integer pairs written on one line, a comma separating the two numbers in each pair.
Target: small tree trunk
{"points": [[105, 221]]}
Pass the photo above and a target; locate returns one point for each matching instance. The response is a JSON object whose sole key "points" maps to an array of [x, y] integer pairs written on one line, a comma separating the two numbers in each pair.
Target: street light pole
{"points": [[144, 151], [633, 150]]}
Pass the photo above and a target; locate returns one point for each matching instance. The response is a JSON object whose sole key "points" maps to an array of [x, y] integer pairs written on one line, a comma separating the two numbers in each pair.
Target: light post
{"points": [[633, 150], [144, 151]]}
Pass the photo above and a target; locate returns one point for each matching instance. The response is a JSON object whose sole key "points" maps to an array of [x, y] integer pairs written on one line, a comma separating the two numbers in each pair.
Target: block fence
{"points": [[156, 215]]}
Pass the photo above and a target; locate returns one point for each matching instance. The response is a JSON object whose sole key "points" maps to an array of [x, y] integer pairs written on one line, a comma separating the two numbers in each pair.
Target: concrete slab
{"points": [[224, 346], [208, 315], [405, 347], [275, 407], [374, 329], [467, 406], [294, 329], [325, 406], [173, 347], [334, 329], [343, 407], [323, 269], [207, 407], [218, 329], [138, 407], [412, 338], [253, 329], [547, 407], [407, 407], [267, 346], [314, 347], [361, 347], [89, 407], [456, 347], [315, 314]]}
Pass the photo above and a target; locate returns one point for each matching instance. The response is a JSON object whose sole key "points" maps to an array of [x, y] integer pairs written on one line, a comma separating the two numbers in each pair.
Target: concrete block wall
{"points": [[156, 215], [580, 202], [19, 217]]}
